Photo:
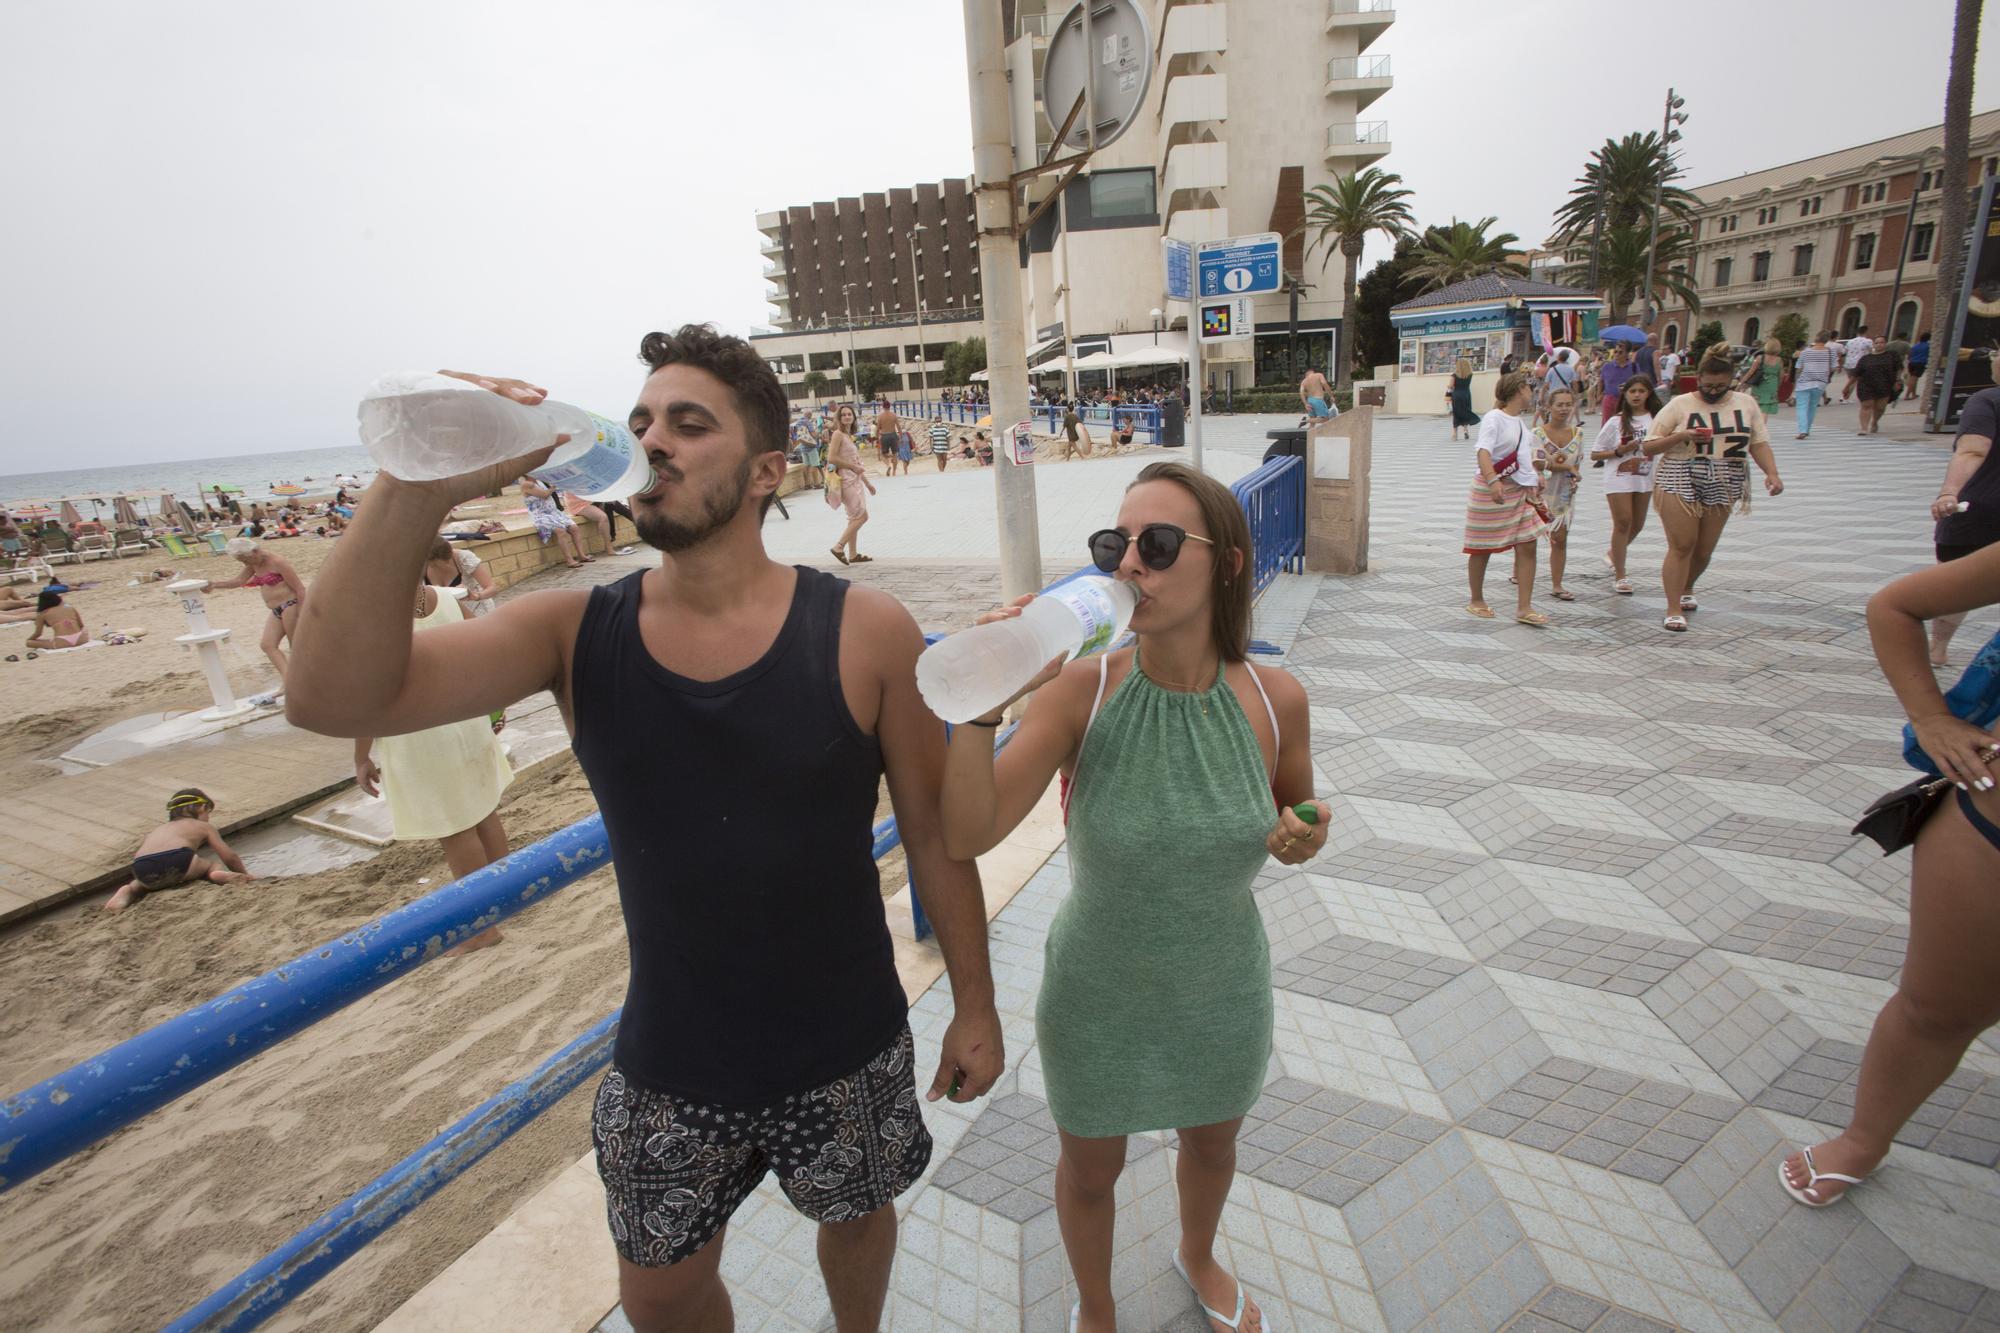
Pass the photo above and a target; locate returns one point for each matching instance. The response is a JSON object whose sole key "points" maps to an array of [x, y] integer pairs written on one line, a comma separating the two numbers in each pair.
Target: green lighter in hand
{"points": [[1307, 811]]}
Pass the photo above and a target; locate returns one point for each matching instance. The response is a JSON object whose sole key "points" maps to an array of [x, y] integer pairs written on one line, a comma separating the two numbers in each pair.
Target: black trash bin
{"points": [[1289, 443], [1173, 422]]}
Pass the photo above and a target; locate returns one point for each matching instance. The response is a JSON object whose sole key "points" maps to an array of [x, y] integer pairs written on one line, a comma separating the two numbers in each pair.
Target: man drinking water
{"points": [[764, 1026]]}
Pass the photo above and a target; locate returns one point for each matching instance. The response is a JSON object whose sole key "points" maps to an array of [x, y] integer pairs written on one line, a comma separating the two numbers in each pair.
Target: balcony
{"points": [[770, 245], [1037, 25], [1357, 143], [1366, 19], [1192, 33], [1192, 171], [1752, 292], [1192, 98], [1365, 78]]}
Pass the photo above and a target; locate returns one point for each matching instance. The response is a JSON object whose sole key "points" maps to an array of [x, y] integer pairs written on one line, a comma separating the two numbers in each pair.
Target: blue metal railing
{"points": [[1145, 417], [1274, 500]]}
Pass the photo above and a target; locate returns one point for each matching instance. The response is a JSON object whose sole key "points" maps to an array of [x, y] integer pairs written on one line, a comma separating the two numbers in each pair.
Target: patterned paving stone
{"points": [[1618, 1121], [1708, 901], [1441, 1247], [1777, 837], [1622, 961], [1562, 1310], [1961, 1119], [1865, 947], [1328, 1145], [1740, 1031], [1006, 1161], [1596, 779], [1489, 908], [1825, 1268], [1367, 974], [1471, 1041], [1926, 1301], [1397, 865]]}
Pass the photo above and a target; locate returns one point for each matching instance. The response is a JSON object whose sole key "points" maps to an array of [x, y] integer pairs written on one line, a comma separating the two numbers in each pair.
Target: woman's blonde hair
{"points": [[1773, 347], [240, 546], [1463, 368], [1509, 385]]}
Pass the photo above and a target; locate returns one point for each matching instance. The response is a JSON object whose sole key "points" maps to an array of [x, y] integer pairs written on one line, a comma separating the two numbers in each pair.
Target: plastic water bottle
{"points": [[976, 670], [423, 427]]}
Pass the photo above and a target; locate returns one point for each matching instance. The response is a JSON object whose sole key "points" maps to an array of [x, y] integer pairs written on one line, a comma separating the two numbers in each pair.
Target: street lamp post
{"points": [[923, 353], [853, 365], [1668, 137], [1159, 317]]}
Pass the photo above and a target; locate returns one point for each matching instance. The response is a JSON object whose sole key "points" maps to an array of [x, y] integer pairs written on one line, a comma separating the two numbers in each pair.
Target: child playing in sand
{"points": [[166, 856]]}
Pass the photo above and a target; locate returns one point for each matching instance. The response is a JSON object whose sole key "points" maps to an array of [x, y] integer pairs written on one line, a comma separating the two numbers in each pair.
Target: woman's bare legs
{"points": [[1475, 575], [851, 535], [466, 851], [1950, 993], [1682, 524], [1524, 578], [1086, 1175], [1714, 518], [1203, 1175], [274, 637], [1558, 557], [1941, 631], [1628, 519], [571, 548]]}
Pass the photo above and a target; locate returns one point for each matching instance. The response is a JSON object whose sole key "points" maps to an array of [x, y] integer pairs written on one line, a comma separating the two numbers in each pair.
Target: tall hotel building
{"points": [[1252, 103]]}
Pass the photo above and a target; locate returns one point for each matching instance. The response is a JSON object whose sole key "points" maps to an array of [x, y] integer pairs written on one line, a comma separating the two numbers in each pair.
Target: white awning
{"points": [[1097, 361], [979, 375], [1150, 356]]}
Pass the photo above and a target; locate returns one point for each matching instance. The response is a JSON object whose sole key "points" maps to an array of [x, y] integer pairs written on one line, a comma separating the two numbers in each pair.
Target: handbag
{"points": [[1894, 820]]}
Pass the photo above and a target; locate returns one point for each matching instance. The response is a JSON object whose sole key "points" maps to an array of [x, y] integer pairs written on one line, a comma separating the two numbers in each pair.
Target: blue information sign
{"points": [[1240, 266], [1178, 257]]}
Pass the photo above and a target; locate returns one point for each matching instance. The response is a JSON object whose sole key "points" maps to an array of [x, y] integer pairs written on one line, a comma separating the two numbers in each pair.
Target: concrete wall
{"points": [[518, 554], [1424, 395]]}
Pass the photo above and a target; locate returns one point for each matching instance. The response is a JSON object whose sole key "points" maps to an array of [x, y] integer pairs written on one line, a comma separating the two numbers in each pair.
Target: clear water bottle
{"points": [[976, 670], [424, 427]]}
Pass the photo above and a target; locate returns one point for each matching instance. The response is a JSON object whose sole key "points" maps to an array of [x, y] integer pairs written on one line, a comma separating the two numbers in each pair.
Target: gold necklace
{"points": [[1189, 689]]}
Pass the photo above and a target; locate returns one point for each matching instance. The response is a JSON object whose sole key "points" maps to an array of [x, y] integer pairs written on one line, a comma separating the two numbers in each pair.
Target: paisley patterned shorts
{"points": [[674, 1171]]}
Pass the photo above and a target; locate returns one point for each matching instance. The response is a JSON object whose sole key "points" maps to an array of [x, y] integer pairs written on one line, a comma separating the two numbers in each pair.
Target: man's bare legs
{"points": [[687, 1297], [854, 1258], [1203, 1174], [468, 850], [1949, 994]]}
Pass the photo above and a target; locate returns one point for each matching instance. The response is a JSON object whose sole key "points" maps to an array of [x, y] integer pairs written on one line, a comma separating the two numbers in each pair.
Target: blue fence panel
{"points": [[64, 1114], [280, 1277], [1274, 501]]}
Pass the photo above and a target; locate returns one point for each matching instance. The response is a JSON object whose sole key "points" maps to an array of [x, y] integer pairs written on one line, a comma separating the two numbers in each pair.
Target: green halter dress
{"points": [[1155, 1008]]}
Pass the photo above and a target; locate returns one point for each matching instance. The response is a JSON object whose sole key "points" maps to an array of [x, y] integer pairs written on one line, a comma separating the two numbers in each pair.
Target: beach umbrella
{"points": [[127, 514], [32, 511], [1621, 333], [287, 488], [69, 514]]}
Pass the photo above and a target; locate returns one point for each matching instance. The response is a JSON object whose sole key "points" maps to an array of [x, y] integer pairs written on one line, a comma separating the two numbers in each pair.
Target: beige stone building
{"points": [[1822, 238], [1252, 103]]}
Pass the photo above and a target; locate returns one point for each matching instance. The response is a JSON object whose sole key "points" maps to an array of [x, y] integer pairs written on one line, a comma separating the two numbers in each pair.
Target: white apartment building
{"points": [[1251, 104]]}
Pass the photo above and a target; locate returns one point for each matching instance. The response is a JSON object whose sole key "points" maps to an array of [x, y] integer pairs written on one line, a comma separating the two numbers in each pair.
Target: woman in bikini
{"points": [[1949, 991], [56, 626], [852, 489], [281, 587]]}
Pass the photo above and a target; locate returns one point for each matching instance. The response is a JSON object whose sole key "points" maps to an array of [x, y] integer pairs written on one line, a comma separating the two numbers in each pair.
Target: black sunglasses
{"points": [[1159, 546]]}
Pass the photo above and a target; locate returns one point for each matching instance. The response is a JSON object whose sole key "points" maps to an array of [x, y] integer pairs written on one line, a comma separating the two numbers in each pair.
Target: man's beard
{"points": [[718, 506], [1712, 396]]}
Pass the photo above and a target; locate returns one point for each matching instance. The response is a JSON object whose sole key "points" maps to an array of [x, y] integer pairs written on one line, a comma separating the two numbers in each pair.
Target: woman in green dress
{"points": [[1181, 763], [1762, 373]]}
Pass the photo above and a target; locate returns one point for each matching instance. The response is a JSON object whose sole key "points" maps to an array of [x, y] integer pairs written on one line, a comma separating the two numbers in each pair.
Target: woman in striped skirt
{"points": [[1504, 511]]}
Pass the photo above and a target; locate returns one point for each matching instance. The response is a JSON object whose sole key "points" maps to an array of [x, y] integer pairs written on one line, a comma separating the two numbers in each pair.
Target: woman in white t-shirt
{"points": [[1628, 486], [1502, 512]]}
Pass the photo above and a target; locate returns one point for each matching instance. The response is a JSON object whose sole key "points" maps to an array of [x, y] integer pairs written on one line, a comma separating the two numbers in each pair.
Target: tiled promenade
{"points": [[1589, 949]]}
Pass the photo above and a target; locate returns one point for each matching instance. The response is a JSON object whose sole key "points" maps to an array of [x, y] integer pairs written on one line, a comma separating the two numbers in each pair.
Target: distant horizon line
{"points": [[179, 462]]}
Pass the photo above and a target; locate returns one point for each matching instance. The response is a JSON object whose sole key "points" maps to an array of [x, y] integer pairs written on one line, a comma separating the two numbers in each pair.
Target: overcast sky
{"points": [[224, 218]]}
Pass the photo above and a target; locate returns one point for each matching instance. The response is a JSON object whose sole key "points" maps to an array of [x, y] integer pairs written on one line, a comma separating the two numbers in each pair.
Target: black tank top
{"points": [[740, 817]]}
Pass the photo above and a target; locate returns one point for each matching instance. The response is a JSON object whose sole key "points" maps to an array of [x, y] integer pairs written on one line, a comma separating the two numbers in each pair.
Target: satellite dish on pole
{"points": [[1110, 46]]}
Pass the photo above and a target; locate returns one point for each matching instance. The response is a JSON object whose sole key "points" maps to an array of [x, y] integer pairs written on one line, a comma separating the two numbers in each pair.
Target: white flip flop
{"points": [[1217, 1315], [1815, 1176]]}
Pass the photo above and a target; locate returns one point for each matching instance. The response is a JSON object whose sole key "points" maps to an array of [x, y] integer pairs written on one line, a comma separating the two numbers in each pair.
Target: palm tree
{"points": [[1341, 215], [1621, 176], [1952, 207], [1621, 266], [1463, 250]]}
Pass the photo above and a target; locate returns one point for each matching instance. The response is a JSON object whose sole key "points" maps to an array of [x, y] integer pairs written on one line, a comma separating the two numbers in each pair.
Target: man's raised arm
{"points": [[356, 667]]}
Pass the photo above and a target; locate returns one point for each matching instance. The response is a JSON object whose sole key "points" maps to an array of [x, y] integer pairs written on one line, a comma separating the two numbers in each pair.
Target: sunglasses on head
{"points": [[1159, 546]]}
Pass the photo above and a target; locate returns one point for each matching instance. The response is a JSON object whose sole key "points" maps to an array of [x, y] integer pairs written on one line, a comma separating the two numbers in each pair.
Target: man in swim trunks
{"points": [[889, 435], [166, 856], [1316, 395]]}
